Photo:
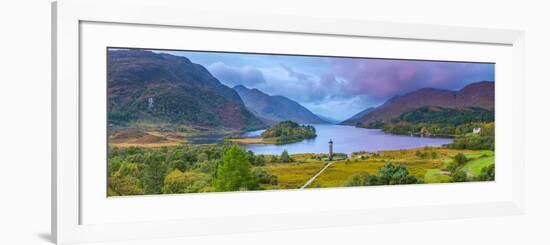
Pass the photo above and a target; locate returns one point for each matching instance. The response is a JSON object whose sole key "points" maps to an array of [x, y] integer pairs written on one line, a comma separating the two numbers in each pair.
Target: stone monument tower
{"points": [[330, 150]]}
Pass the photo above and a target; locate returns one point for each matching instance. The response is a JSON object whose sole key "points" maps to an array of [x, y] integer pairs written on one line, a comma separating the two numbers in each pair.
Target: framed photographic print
{"points": [[169, 124]]}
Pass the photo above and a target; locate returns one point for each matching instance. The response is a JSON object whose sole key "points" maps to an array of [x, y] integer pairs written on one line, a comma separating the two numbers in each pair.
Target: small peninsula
{"points": [[284, 132]]}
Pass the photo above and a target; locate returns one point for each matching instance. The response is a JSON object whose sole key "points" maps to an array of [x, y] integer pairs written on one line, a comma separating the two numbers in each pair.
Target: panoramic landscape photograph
{"points": [[204, 121]]}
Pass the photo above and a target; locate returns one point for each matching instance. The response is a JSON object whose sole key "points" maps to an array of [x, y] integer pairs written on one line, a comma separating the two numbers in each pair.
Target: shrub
{"points": [[460, 158], [263, 176], [487, 173], [184, 182], [125, 181], [207, 167], [285, 157], [388, 174], [459, 176]]}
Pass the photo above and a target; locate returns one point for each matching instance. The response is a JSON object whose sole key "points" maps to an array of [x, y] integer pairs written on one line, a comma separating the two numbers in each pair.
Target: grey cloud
{"points": [[231, 75], [295, 74]]}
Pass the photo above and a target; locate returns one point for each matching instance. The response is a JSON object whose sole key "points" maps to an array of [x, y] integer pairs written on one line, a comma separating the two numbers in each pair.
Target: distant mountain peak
{"points": [[353, 119], [275, 108], [478, 94]]}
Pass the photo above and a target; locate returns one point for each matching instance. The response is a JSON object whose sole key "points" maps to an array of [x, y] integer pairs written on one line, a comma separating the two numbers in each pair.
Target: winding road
{"points": [[316, 175]]}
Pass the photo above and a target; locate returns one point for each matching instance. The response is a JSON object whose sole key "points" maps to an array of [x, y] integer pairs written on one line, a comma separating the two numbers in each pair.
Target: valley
{"points": [[175, 127]]}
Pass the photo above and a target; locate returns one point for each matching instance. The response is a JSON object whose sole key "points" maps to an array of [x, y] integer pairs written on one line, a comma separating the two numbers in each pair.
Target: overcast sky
{"points": [[336, 87]]}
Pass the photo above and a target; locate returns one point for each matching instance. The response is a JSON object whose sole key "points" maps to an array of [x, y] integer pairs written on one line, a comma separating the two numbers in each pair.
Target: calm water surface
{"points": [[347, 139]]}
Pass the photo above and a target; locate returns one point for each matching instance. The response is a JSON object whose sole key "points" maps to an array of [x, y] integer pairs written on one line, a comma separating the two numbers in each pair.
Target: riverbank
{"points": [[255, 140], [136, 138], [347, 139]]}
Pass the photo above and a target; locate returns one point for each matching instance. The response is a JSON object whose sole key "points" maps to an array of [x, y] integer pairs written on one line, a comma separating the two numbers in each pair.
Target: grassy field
{"points": [[152, 139], [425, 164], [293, 175], [337, 174], [476, 165], [478, 154], [253, 140], [436, 176]]}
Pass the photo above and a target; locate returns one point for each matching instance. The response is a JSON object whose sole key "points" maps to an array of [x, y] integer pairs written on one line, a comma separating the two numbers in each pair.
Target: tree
{"points": [[487, 173], [124, 185], [125, 181], [391, 174], [372, 179], [459, 176], [154, 173], [363, 179], [233, 173], [207, 167], [388, 174], [251, 157], [285, 157], [260, 160], [184, 182], [262, 175], [288, 132], [460, 158], [202, 157]]}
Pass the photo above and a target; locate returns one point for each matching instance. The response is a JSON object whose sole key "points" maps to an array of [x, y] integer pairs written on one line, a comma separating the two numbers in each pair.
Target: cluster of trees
{"points": [[389, 174], [376, 124], [447, 116], [420, 129], [425, 154], [487, 173], [335, 156], [459, 175], [447, 122], [288, 132], [473, 143], [185, 169], [445, 130], [455, 168], [485, 140], [437, 121]]}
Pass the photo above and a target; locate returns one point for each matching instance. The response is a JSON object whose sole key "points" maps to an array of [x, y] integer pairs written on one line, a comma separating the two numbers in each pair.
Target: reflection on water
{"points": [[347, 139]]}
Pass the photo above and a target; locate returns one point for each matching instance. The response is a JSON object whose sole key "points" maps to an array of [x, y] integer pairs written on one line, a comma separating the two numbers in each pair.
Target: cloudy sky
{"points": [[336, 87]]}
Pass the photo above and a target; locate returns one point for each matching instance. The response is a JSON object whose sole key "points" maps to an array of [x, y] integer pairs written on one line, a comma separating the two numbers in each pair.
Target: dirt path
{"points": [[316, 175]]}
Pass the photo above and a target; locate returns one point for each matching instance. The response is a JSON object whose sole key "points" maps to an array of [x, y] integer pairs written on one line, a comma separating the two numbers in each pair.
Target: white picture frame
{"points": [[68, 17]]}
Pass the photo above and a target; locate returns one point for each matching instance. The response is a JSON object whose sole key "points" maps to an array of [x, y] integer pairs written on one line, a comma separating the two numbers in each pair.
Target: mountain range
{"points": [[144, 86], [149, 87], [157, 88], [355, 118], [480, 94], [273, 109]]}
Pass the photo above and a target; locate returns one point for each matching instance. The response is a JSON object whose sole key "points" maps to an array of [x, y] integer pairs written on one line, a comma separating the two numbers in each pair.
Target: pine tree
{"points": [[285, 157], [233, 174]]}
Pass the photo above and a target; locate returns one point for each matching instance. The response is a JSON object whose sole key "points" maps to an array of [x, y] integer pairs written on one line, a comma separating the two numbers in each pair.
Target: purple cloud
{"points": [[381, 79], [339, 87]]}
